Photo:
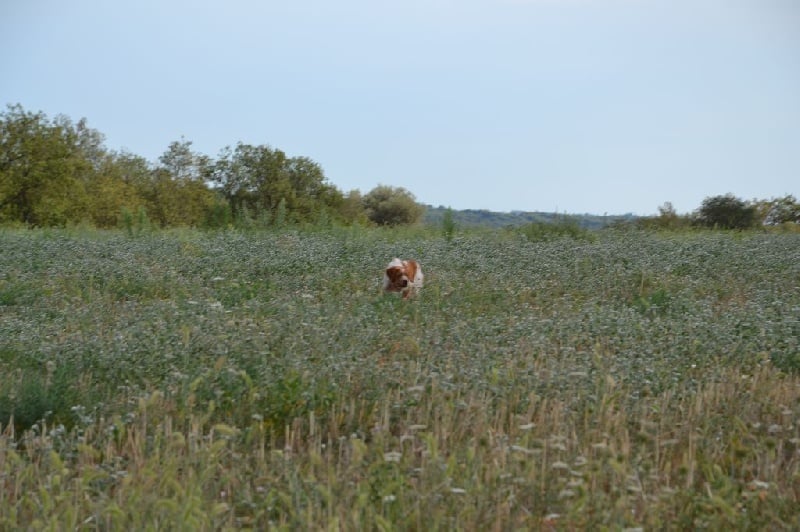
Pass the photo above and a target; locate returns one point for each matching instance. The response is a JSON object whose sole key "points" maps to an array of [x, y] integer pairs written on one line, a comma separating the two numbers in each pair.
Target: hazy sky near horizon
{"points": [[578, 106]]}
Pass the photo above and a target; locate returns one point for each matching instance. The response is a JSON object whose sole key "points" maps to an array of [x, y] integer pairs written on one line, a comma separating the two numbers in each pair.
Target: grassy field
{"points": [[199, 381]]}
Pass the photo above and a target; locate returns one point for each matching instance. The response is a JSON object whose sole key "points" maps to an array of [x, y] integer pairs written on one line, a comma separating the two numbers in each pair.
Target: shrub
{"points": [[137, 224], [392, 206], [566, 227], [448, 225], [32, 397], [726, 212]]}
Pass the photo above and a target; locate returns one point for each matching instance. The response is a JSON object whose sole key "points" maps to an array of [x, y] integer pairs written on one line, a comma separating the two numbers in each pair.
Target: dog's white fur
{"points": [[404, 276]]}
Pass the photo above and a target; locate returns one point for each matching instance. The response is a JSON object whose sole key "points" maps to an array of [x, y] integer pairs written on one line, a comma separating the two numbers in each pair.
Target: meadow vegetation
{"points": [[182, 379]]}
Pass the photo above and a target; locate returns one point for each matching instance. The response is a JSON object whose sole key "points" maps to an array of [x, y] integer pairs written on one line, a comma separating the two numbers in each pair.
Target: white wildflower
{"points": [[392, 456]]}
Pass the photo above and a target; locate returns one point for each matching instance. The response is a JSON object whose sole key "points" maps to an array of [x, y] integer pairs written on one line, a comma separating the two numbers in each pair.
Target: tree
{"points": [[178, 194], [183, 163], [259, 179], [43, 168], [109, 196], [667, 219], [250, 177], [779, 211], [175, 202], [310, 194], [448, 225], [387, 205], [726, 212], [55, 172], [351, 210], [90, 144]]}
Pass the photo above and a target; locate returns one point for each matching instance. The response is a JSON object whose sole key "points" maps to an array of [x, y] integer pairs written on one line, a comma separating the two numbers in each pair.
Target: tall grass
{"points": [[260, 379]]}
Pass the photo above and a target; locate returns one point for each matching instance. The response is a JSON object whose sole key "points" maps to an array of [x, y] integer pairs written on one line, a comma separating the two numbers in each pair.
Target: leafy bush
{"points": [[32, 396], [135, 225], [546, 231], [726, 212], [392, 206], [667, 219], [780, 211], [448, 225], [787, 361]]}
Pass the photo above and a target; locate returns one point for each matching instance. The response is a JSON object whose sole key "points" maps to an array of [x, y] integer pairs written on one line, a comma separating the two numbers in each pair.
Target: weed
{"points": [[448, 225]]}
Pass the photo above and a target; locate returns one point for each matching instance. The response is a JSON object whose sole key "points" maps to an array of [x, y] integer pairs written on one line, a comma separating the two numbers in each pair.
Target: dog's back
{"points": [[414, 273]]}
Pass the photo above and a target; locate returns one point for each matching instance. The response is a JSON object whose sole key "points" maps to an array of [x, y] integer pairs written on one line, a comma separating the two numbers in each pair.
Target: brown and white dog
{"points": [[404, 276]]}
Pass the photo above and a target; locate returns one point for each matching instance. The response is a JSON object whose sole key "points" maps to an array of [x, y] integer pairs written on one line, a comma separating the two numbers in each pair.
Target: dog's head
{"points": [[398, 277]]}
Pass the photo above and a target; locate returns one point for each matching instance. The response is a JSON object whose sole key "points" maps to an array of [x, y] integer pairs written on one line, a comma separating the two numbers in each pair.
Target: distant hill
{"points": [[484, 218]]}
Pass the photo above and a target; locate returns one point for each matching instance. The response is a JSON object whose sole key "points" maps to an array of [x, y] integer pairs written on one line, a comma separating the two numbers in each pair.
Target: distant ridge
{"points": [[485, 218]]}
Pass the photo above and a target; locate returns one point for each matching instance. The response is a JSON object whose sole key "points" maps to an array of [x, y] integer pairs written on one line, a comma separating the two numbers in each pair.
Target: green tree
{"points": [[726, 212], [387, 205], [179, 194], [108, 197], [667, 219], [251, 177], [448, 225], [351, 210], [260, 179], [90, 144], [184, 164], [43, 168], [310, 193], [117, 184], [667, 215], [779, 211], [175, 202]]}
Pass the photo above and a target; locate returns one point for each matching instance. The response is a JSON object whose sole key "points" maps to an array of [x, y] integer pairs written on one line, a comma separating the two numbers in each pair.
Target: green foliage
{"points": [[184, 164], [649, 298], [17, 292], [726, 212], [392, 206], [219, 215], [779, 211], [351, 209], [448, 225], [135, 224], [42, 169], [564, 227], [57, 173], [280, 214], [54, 172], [667, 220], [35, 395], [788, 361], [260, 179], [27, 404]]}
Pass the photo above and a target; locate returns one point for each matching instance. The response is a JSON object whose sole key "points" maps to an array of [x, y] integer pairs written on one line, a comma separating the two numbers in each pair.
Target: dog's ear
{"points": [[394, 273]]}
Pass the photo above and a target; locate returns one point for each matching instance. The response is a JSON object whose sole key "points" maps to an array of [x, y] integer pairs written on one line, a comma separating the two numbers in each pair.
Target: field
{"points": [[201, 381]]}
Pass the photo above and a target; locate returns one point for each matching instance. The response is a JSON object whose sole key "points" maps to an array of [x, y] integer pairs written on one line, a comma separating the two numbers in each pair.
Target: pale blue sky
{"points": [[600, 106]]}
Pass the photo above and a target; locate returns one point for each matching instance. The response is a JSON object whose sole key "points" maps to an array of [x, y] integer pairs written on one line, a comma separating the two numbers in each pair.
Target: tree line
{"points": [[726, 211], [55, 172]]}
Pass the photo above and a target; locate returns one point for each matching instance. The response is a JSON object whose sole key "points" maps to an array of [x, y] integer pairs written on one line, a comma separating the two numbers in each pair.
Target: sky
{"points": [[572, 106]]}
